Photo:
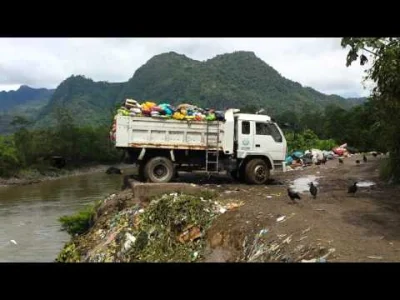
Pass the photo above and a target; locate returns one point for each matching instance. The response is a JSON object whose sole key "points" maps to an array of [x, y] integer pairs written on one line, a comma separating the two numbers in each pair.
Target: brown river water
{"points": [[29, 227]]}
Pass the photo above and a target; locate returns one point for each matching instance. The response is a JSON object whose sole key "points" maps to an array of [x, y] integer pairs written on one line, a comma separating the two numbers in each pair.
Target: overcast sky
{"points": [[45, 62]]}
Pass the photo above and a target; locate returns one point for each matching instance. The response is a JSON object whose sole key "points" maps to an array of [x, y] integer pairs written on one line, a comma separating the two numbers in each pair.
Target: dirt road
{"points": [[364, 228]]}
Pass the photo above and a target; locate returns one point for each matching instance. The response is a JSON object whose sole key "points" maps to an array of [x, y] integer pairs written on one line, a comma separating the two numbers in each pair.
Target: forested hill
{"points": [[235, 79], [26, 102], [24, 95]]}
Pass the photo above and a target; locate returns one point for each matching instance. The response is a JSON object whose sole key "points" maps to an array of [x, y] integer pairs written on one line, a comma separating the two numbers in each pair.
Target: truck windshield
{"points": [[269, 129]]}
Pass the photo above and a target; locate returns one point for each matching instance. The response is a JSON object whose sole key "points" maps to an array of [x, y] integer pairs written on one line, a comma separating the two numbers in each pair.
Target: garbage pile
{"points": [[186, 112], [300, 159], [169, 229]]}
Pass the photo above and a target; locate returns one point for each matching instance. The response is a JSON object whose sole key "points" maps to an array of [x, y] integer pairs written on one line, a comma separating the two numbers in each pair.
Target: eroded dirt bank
{"points": [[224, 221]]}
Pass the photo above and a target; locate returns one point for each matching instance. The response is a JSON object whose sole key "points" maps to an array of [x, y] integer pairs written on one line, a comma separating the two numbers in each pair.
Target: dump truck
{"points": [[247, 146]]}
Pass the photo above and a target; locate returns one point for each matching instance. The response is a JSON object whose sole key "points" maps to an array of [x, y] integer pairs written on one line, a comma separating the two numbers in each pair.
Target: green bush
{"points": [[78, 223], [307, 140]]}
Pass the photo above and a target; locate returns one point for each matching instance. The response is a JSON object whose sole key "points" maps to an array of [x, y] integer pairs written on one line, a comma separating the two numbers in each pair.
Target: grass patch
{"points": [[78, 223]]}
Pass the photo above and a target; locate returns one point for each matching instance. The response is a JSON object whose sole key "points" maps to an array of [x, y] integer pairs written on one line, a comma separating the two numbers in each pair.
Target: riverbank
{"points": [[244, 223], [32, 176]]}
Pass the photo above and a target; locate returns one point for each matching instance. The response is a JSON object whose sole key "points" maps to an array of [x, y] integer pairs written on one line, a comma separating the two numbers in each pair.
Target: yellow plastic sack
{"points": [[148, 105], [178, 116]]}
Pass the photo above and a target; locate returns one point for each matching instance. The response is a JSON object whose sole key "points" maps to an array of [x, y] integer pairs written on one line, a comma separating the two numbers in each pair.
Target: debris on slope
{"points": [[264, 248], [170, 229]]}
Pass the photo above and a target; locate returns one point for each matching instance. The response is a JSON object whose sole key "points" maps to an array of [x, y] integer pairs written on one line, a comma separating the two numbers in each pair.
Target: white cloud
{"points": [[45, 62]]}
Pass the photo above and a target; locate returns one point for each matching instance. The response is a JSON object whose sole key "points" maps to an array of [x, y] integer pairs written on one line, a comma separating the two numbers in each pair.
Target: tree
{"points": [[384, 71]]}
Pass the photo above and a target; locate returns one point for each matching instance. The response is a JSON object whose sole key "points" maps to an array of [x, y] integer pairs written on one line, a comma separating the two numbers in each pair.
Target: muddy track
{"points": [[364, 227]]}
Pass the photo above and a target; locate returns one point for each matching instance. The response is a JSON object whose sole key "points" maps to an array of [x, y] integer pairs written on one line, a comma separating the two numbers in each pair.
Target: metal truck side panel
{"points": [[167, 134]]}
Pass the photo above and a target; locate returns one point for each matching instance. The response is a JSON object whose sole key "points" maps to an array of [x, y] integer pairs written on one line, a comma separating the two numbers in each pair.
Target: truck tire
{"points": [[159, 170], [256, 171]]}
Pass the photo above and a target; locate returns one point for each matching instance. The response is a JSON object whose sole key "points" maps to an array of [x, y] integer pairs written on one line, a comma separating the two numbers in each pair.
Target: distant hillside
{"points": [[89, 102], [230, 80], [26, 102], [24, 95]]}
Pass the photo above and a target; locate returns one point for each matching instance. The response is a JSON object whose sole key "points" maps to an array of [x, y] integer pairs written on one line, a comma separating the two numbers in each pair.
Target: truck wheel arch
{"points": [[267, 160]]}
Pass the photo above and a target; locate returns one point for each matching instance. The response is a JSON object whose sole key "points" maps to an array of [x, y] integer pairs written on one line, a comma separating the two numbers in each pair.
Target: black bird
{"points": [[340, 161], [313, 190], [364, 158], [114, 170], [357, 161], [374, 154], [324, 160], [352, 189], [293, 195]]}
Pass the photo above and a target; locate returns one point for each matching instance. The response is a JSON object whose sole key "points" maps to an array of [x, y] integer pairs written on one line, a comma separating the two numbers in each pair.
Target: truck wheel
{"points": [[159, 170], [256, 171]]}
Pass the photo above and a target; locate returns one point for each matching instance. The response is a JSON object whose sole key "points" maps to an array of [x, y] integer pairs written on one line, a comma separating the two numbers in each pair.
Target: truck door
{"points": [[268, 138], [245, 138]]}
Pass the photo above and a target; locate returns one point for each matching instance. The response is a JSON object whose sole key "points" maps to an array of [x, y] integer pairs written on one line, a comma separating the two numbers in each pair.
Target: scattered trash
{"points": [[375, 257], [302, 238], [280, 219], [320, 209], [192, 184], [190, 233], [195, 255], [234, 205], [288, 240], [14, 242], [228, 192], [365, 183], [269, 197], [130, 240], [314, 260], [222, 210], [306, 230], [263, 231], [321, 259]]}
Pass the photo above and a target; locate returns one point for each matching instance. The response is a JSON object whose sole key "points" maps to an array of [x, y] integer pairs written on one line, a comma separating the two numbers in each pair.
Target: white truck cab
{"points": [[258, 135]]}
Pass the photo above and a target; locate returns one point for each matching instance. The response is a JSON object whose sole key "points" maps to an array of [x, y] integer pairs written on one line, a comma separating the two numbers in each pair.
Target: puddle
{"points": [[301, 184], [365, 183]]}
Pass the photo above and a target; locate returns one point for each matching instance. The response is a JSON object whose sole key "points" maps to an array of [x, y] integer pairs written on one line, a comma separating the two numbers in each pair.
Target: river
{"points": [[29, 227]]}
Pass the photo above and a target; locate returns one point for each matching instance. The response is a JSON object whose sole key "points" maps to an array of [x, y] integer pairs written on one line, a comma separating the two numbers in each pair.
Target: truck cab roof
{"points": [[253, 117]]}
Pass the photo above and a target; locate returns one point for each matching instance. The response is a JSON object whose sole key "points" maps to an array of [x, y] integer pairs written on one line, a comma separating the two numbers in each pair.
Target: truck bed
{"points": [[147, 132]]}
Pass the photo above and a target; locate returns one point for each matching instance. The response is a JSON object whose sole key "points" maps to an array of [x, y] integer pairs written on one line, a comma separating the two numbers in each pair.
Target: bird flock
{"points": [[352, 189]]}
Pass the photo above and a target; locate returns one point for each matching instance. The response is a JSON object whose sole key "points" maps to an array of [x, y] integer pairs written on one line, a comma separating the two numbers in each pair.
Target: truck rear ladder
{"points": [[212, 149]]}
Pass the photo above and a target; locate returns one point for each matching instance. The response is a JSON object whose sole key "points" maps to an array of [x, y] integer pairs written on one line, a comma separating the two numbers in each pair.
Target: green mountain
{"points": [[229, 80], [236, 79], [24, 95], [26, 102], [89, 102]]}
